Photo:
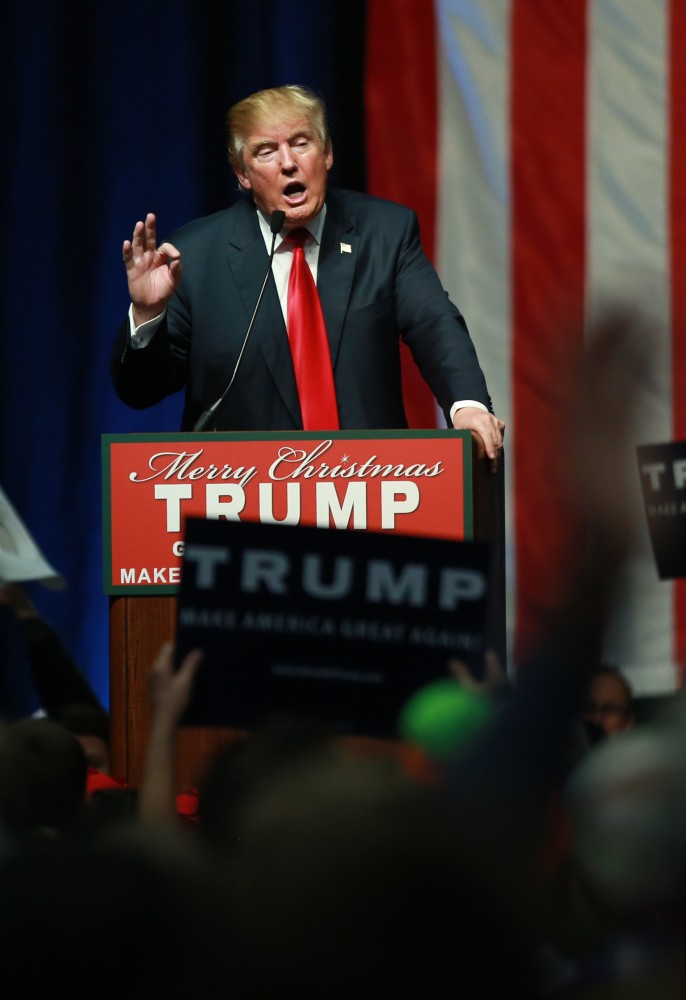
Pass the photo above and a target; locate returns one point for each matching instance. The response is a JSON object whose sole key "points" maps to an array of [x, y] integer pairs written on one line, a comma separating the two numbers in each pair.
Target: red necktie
{"points": [[309, 344]]}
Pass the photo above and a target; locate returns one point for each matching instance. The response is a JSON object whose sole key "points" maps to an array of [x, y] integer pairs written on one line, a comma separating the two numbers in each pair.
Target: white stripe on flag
{"points": [[627, 261], [472, 235]]}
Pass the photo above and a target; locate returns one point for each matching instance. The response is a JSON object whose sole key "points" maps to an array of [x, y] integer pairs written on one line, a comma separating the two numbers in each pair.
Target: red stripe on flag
{"points": [[677, 232], [401, 134], [548, 191]]}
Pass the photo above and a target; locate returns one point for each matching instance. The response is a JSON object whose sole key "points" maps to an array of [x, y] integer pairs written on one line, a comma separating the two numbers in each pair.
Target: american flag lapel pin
{"points": [[346, 248]]}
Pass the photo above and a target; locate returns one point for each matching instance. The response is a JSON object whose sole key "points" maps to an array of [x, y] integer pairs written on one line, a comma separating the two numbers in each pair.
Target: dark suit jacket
{"points": [[382, 288]]}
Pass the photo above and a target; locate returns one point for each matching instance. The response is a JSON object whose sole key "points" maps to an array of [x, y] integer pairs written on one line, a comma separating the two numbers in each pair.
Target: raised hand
{"points": [[170, 689], [170, 692], [153, 272]]}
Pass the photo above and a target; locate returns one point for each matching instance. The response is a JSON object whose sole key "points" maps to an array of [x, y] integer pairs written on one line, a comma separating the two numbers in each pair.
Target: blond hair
{"points": [[265, 104]]}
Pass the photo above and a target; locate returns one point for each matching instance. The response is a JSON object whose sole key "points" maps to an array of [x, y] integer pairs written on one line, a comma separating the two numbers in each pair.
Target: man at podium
{"points": [[284, 312]]}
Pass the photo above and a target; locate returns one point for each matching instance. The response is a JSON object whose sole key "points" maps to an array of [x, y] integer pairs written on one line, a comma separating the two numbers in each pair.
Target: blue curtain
{"points": [[112, 110]]}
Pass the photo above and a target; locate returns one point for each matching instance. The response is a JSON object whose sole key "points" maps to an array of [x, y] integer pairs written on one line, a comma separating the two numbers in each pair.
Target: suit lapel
{"points": [[335, 270], [248, 260]]}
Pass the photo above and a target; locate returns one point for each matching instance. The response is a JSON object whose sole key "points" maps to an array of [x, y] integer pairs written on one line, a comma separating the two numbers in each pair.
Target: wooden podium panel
{"points": [[140, 624]]}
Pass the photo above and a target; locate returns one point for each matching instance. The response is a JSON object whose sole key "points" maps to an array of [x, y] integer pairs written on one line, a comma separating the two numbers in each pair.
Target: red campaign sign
{"points": [[405, 482]]}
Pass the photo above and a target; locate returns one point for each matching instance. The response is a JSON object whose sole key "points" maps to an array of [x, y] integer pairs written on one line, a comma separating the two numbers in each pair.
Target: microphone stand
{"points": [[275, 224]]}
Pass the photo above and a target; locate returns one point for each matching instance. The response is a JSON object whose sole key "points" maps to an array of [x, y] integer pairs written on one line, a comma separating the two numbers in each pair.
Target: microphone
{"points": [[275, 224]]}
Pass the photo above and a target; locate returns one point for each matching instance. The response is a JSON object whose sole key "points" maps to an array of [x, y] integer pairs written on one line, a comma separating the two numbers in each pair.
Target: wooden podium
{"points": [[151, 482]]}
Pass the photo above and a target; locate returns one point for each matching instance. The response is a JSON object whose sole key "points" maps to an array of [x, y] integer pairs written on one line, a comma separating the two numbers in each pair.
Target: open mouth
{"points": [[295, 192]]}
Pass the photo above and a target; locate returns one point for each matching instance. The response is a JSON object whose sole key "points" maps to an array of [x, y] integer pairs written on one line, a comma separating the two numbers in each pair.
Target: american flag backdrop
{"points": [[543, 144]]}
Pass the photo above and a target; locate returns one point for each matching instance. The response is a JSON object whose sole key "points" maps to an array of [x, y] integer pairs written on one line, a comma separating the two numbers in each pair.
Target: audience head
{"points": [[132, 917], [241, 771], [42, 779], [90, 726], [609, 701], [352, 878], [627, 807]]}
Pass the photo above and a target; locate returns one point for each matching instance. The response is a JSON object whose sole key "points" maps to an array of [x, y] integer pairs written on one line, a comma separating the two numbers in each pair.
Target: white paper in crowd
{"points": [[21, 561]]}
